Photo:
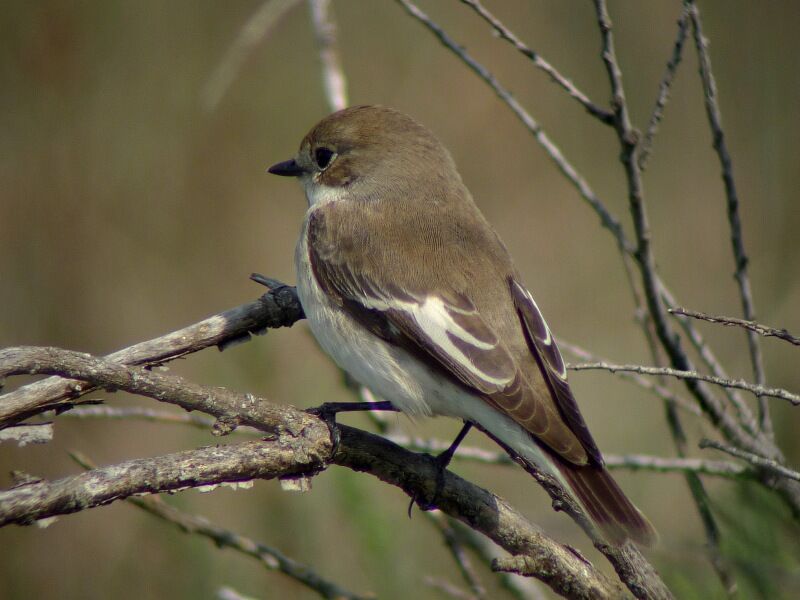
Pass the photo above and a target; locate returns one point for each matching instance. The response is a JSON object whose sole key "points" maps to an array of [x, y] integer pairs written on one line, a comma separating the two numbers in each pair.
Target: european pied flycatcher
{"points": [[410, 290]]}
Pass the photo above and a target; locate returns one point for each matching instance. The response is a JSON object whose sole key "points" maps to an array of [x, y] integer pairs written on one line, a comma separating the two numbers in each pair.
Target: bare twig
{"points": [[277, 308], [692, 375], [659, 390], [447, 588], [416, 474], [270, 558], [463, 562], [230, 408], [737, 240], [141, 413], [520, 588], [301, 444], [213, 465], [711, 362], [607, 219], [718, 468], [646, 145], [629, 142], [734, 322], [731, 428], [31, 433], [758, 461], [604, 115], [633, 462], [711, 405], [333, 80], [254, 31]]}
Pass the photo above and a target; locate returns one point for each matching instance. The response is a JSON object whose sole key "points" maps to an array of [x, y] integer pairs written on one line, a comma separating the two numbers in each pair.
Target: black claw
{"points": [[327, 412], [441, 461]]}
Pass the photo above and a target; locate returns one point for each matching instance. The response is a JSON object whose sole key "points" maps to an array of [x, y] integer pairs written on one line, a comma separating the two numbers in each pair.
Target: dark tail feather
{"points": [[607, 505]]}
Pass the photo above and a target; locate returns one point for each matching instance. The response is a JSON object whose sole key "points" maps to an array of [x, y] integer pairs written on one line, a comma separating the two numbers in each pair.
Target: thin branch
{"points": [[730, 427], [646, 145], [334, 82], [417, 475], [253, 33], [607, 219], [659, 390], [642, 462], [633, 462], [270, 558], [140, 413], [604, 115], [457, 551], [760, 329], [300, 444], [759, 390], [737, 240], [31, 433], [520, 588], [753, 459], [629, 142], [713, 364], [214, 465], [447, 588], [277, 308], [231, 408]]}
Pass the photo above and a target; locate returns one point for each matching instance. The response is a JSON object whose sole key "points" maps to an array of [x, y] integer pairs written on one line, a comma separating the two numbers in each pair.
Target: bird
{"points": [[411, 291]]}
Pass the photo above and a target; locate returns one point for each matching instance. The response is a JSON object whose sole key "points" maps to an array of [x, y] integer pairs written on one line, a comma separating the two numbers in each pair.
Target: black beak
{"points": [[287, 168]]}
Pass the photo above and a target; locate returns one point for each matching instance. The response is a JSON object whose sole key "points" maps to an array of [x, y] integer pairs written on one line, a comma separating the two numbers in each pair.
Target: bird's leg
{"points": [[328, 410], [442, 461]]}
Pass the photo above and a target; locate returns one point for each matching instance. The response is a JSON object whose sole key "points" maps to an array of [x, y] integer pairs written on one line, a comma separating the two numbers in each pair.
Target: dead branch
{"points": [[758, 390], [277, 308], [760, 329], [300, 445]]}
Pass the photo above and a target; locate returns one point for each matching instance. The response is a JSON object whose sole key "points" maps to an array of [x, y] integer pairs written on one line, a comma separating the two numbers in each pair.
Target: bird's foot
{"points": [[327, 411], [441, 462]]}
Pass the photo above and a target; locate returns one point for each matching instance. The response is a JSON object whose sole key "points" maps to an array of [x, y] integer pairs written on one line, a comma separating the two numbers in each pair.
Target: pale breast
{"points": [[371, 361], [390, 372]]}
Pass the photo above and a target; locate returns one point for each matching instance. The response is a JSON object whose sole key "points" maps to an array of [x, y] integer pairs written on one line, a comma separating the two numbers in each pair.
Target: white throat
{"points": [[318, 194]]}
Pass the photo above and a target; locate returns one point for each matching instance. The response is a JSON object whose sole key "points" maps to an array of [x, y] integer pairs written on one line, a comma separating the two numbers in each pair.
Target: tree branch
{"points": [[646, 145], [277, 308], [334, 82], [301, 445], [643, 382], [270, 558], [458, 553], [759, 390], [604, 115], [629, 143], [732, 321], [607, 219], [758, 461], [284, 455], [737, 241], [253, 32]]}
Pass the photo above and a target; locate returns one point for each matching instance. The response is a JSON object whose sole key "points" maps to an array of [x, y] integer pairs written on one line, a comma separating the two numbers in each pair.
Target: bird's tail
{"points": [[607, 505]]}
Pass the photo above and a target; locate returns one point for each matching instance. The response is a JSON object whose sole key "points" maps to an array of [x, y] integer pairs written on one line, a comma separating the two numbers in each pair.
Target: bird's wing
{"points": [[544, 348], [447, 332]]}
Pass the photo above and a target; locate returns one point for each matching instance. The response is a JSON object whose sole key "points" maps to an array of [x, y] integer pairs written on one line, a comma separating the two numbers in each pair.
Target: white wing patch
{"points": [[437, 313], [434, 318], [551, 354]]}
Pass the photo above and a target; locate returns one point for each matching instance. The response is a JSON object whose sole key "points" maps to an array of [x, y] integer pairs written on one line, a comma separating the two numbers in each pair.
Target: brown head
{"points": [[367, 148]]}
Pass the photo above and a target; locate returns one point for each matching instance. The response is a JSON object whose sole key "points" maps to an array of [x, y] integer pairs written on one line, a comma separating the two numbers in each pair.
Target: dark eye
{"points": [[323, 156]]}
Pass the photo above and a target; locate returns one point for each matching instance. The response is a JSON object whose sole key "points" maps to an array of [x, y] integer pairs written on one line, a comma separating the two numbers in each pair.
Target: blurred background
{"points": [[128, 209]]}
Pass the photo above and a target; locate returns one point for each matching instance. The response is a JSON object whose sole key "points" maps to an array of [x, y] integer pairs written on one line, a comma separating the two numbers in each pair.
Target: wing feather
{"points": [[447, 332], [544, 347]]}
